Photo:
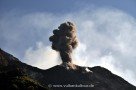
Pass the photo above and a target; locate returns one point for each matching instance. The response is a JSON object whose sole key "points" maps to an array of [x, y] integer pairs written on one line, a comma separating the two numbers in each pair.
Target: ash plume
{"points": [[64, 40]]}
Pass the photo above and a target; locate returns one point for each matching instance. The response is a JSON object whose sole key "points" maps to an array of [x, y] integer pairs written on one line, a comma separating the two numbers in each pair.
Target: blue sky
{"points": [[106, 31], [64, 6]]}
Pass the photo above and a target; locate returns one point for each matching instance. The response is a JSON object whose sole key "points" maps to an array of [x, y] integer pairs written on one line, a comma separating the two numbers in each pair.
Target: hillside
{"points": [[19, 76]]}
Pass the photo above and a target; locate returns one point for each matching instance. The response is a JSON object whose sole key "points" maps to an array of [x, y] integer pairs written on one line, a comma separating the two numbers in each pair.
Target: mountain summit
{"points": [[19, 76]]}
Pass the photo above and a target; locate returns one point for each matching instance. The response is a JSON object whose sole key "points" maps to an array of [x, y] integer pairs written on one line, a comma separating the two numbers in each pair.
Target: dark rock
{"points": [[19, 76]]}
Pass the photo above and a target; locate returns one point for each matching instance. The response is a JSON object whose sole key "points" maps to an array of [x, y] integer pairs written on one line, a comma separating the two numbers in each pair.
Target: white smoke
{"points": [[42, 57]]}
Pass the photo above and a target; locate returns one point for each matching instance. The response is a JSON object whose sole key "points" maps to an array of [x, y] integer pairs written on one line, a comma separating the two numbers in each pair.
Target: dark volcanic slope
{"points": [[14, 74], [17, 75]]}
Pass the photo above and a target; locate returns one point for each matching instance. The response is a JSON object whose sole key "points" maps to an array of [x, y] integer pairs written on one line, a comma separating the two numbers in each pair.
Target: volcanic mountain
{"points": [[16, 75]]}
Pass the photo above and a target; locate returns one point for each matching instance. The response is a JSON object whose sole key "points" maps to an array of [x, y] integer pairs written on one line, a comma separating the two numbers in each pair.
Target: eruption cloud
{"points": [[64, 40]]}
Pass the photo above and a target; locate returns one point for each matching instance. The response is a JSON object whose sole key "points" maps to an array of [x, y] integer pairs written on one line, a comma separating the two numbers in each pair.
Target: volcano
{"points": [[16, 75]]}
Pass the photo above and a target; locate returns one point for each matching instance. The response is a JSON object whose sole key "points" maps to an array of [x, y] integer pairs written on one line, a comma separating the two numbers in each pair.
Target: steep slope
{"points": [[17, 75], [14, 74]]}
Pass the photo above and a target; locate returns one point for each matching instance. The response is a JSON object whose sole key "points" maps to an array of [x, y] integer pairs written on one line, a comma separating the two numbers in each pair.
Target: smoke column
{"points": [[64, 40]]}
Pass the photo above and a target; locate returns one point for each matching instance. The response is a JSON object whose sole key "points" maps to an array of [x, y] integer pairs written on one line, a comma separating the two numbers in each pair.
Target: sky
{"points": [[106, 31]]}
